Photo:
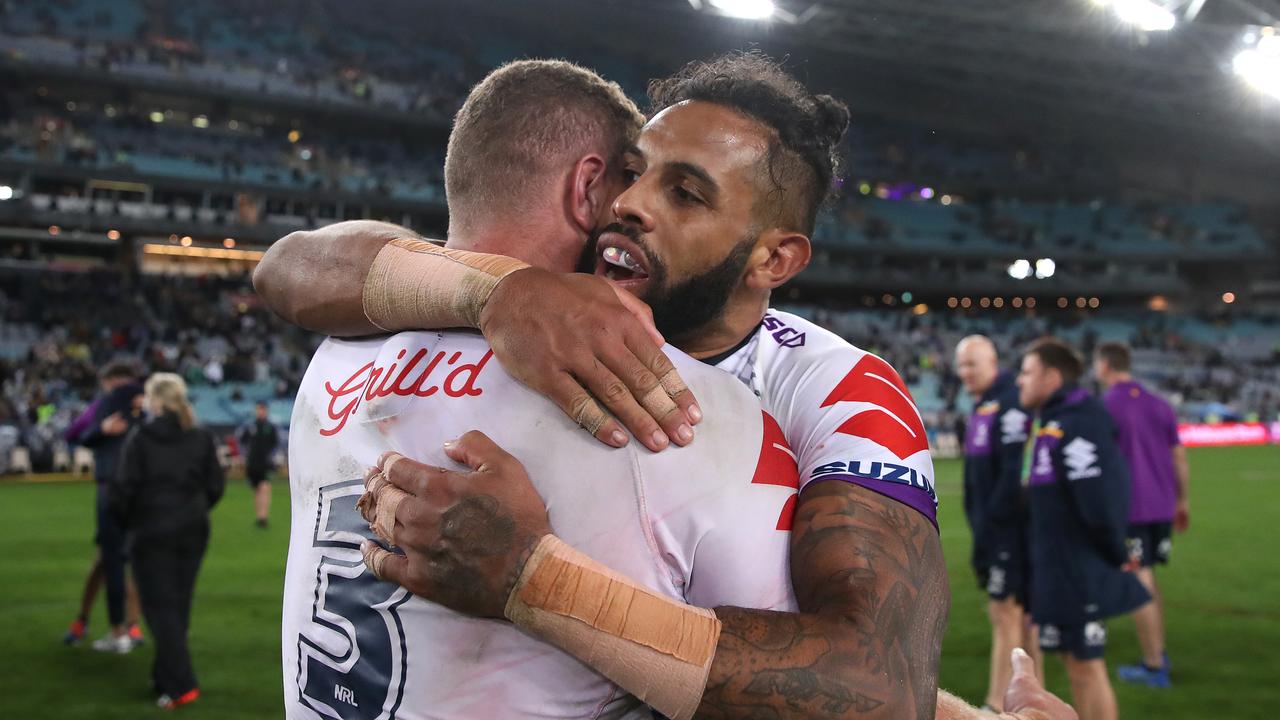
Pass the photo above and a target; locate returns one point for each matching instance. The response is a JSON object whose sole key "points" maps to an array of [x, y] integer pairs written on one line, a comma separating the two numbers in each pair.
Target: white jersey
{"points": [[705, 524], [844, 411]]}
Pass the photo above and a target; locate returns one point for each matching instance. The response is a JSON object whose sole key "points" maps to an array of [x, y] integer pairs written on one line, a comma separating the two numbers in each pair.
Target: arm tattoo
{"points": [[872, 589]]}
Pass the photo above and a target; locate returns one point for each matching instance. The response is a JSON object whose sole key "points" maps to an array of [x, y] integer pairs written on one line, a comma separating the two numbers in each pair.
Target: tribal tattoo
{"points": [[872, 589]]}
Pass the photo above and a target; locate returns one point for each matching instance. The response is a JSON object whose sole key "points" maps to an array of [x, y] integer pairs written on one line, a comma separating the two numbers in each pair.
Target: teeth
{"points": [[622, 258]]}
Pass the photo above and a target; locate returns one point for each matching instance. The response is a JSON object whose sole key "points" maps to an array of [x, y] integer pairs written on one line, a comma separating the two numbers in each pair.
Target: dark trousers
{"points": [[111, 545], [164, 568]]}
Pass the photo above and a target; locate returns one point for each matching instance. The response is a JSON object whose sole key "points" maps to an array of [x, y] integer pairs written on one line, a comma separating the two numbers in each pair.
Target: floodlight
{"points": [[1259, 66], [746, 9], [1045, 267], [1145, 14], [1020, 269]]}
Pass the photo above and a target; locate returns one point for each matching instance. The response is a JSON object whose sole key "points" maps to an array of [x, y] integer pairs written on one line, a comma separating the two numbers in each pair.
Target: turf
{"points": [[1222, 594]]}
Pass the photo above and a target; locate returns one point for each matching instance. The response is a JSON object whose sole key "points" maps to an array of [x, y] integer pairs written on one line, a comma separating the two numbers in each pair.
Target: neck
{"points": [[534, 241], [1116, 378], [742, 314]]}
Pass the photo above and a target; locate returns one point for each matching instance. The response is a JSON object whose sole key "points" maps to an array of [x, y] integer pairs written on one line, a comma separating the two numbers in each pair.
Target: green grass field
{"points": [[1223, 606]]}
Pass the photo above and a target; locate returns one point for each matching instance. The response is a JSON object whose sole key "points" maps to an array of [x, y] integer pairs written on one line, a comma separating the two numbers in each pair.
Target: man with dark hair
{"points": [[995, 441], [258, 441], [1148, 436], [704, 208], [117, 410], [1078, 488]]}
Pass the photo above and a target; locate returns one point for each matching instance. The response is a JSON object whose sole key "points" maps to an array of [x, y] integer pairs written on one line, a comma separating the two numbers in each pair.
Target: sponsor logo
{"points": [[1050, 636], [1081, 458], [1044, 462], [1164, 548], [1136, 549], [1195, 435], [424, 375], [995, 581], [894, 422], [883, 471], [783, 335], [1013, 426], [1095, 635]]}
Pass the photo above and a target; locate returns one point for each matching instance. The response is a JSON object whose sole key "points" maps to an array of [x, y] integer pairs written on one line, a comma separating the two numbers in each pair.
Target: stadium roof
{"points": [[1064, 70]]}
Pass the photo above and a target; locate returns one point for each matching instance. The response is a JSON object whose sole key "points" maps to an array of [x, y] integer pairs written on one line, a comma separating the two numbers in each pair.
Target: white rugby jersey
{"points": [[706, 524], [845, 412]]}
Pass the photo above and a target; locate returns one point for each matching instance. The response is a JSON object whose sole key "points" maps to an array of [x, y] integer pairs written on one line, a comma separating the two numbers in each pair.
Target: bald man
{"points": [[993, 501]]}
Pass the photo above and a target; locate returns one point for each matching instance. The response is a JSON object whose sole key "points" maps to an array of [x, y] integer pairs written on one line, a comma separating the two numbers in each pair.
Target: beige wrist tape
{"points": [[414, 284], [653, 647]]}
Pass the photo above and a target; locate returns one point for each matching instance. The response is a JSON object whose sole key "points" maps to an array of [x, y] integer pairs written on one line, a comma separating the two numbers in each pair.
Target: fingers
{"points": [[405, 473], [384, 564], [669, 380], [574, 401], [1023, 666], [477, 451], [379, 503], [642, 312], [619, 399]]}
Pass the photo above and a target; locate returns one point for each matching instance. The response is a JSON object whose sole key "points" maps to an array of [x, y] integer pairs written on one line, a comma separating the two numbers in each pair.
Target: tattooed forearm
{"points": [[872, 588]]}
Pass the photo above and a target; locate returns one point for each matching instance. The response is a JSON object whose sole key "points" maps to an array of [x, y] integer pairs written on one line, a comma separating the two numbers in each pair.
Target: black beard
{"points": [[682, 310]]}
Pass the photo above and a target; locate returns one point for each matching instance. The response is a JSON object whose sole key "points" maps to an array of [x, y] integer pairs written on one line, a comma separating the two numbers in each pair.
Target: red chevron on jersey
{"points": [[894, 423], [777, 466]]}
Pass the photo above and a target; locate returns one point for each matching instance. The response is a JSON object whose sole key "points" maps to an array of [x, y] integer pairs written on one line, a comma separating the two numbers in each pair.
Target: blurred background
{"points": [[1099, 170]]}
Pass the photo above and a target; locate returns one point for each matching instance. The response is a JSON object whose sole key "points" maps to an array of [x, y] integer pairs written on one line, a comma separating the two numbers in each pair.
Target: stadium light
{"points": [[1228, 297], [1145, 15], [745, 9], [1045, 268], [1020, 269], [6, 192], [1259, 66]]}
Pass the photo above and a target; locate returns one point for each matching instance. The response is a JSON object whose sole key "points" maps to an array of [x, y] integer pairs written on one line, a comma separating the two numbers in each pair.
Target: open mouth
{"points": [[620, 260]]}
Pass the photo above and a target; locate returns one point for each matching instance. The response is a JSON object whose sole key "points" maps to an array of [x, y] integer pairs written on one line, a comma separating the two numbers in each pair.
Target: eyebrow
{"points": [[686, 168]]}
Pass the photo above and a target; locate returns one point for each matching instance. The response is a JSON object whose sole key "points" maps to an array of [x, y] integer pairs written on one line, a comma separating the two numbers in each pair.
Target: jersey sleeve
{"points": [[1012, 428], [850, 418], [1097, 480]]}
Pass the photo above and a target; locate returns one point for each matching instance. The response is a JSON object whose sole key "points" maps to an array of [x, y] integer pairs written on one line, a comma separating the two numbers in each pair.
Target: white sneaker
{"points": [[119, 644]]}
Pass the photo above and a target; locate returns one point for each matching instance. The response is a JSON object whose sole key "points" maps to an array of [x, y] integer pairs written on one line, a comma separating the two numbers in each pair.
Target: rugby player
{"points": [[1148, 435], [994, 444], [1078, 490], [711, 167]]}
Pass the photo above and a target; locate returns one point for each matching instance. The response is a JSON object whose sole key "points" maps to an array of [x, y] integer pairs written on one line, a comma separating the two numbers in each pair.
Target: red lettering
{"points": [[894, 423], [364, 384]]}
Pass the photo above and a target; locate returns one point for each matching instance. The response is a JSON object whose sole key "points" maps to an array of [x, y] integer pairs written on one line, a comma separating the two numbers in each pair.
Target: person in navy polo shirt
{"points": [[1159, 475], [995, 441], [1078, 491]]}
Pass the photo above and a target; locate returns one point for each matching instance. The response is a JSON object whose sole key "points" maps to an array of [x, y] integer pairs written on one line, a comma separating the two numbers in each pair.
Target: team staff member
{"points": [[168, 480], [993, 502], [1158, 469], [1078, 488], [258, 440]]}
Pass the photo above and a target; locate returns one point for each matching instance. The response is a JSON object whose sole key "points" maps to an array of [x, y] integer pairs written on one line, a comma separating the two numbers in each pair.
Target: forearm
{"points": [[316, 278], [1182, 469]]}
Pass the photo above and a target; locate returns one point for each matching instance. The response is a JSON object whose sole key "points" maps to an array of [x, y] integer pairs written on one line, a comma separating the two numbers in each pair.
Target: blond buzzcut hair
{"points": [[522, 125]]}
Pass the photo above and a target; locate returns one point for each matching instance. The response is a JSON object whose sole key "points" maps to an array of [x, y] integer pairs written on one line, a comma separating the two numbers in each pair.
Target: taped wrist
{"points": [[414, 284], [653, 647]]}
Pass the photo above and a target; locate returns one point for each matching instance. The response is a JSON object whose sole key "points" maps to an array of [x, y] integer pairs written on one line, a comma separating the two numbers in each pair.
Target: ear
{"points": [[588, 191], [779, 256]]}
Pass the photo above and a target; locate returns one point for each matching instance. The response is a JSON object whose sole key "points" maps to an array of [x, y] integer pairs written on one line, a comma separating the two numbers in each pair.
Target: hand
{"points": [[114, 424], [465, 535], [1182, 516], [1026, 698], [1133, 564], [576, 340]]}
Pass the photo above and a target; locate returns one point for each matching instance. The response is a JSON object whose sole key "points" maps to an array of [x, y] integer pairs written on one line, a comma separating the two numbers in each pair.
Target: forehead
{"points": [[710, 135]]}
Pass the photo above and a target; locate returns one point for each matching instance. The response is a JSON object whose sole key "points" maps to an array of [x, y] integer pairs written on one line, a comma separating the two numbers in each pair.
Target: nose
{"points": [[631, 207]]}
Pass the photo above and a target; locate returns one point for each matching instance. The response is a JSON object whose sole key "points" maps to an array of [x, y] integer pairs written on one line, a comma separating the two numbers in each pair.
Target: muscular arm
{"points": [[315, 278], [872, 588]]}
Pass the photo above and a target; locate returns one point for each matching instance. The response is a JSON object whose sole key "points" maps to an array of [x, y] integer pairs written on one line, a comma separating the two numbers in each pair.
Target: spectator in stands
{"points": [[258, 441], [1160, 476], [169, 478], [1078, 493], [118, 410]]}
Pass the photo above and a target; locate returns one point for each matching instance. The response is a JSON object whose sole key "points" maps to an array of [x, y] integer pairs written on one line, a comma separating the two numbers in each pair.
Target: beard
{"points": [[681, 310]]}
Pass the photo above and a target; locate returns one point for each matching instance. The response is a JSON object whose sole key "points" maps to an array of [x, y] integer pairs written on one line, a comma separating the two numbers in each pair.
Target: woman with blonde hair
{"points": [[168, 480]]}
